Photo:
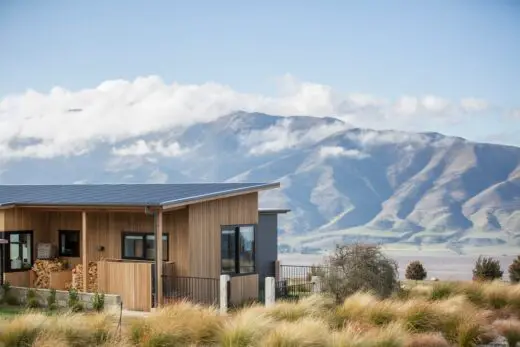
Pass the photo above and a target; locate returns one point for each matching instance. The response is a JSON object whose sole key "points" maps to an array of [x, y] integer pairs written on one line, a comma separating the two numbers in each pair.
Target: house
{"points": [[206, 230]]}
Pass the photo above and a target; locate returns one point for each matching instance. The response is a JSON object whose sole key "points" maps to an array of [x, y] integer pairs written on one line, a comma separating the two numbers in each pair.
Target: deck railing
{"points": [[199, 290]]}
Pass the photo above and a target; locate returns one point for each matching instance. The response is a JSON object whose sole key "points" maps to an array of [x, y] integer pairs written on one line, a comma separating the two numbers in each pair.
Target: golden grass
{"points": [[459, 314]]}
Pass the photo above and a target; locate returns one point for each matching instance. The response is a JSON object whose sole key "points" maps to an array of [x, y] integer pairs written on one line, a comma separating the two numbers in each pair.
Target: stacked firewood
{"points": [[43, 269], [77, 277]]}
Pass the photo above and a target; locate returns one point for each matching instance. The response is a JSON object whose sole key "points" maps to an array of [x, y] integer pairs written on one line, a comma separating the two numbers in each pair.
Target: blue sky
{"points": [[453, 49]]}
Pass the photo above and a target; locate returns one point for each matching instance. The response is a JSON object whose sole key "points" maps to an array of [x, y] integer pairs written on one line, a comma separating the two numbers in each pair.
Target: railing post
{"points": [[316, 284], [224, 283], [277, 270], [270, 291]]}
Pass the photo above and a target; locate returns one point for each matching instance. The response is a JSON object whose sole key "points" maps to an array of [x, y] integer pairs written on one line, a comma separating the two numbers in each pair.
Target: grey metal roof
{"points": [[120, 194], [273, 210]]}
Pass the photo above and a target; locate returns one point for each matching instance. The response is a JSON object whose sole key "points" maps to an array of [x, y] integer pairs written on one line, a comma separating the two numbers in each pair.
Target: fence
{"points": [[295, 281], [195, 289]]}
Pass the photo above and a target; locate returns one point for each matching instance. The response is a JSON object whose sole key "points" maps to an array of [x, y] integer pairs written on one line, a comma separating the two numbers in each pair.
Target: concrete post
{"points": [[316, 284], [224, 283], [270, 295]]}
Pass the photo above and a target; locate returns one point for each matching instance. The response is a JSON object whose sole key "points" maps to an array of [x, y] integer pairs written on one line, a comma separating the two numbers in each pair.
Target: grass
{"points": [[453, 314]]}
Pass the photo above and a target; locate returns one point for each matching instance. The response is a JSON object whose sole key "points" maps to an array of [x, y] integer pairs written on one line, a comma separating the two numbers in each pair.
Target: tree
{"points": [[415, 271], [487, 269], [514, 270], [360, 267]]}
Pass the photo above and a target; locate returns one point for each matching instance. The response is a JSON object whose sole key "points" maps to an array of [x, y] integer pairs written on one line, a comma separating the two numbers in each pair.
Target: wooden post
{"points": [[159, 257], [84, 249]]}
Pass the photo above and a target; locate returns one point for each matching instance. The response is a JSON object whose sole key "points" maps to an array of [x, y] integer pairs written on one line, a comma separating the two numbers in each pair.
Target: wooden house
{"points": [[106, 234]]}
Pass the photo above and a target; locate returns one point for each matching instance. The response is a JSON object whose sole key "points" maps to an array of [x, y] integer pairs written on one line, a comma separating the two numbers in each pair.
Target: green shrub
{"points": [[415, 271], [12, 300], [442, 291], [514, 270], [360, 268], [73, 298], [51, 300], [487, 269], [77, 307], [98, 301], [31, 299]]}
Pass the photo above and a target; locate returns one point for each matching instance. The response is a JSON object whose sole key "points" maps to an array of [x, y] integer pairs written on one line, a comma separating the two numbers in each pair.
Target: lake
{"points": [[442, 266]]}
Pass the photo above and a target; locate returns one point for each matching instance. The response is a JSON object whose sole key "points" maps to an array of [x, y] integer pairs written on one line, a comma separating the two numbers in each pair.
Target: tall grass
{"points": [[454, 314]]}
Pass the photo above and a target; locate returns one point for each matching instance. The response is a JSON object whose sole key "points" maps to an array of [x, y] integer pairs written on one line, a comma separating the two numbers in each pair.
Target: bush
{"points": [[359, 267], [98, 301], [514, 270], [51, 300], [415, 271], [73, 298], [31, 299], [487, 269]]}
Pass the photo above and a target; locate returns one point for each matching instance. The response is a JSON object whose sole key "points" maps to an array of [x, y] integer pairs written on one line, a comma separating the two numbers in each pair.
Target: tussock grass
{"points": [[444, 314], [510, 329]]}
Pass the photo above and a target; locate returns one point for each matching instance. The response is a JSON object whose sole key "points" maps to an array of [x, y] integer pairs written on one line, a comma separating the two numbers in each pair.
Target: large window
{"points": [[19, 255], [238, 249], [69, 243], [141, 246]]}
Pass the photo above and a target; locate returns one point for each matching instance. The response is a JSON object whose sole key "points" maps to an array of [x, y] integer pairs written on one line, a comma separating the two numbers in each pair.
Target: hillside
{"points": [[342, 183]]}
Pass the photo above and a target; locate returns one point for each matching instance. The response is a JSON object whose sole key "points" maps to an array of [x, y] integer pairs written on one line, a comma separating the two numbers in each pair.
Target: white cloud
{"points": [[473, 104], [282, 136], [63, 122], [337, 151], [141, 147]]}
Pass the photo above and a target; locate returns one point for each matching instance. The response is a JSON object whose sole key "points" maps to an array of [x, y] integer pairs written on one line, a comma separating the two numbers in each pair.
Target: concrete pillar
{"points": [[224, 283], [316, 284], [270, 293]]}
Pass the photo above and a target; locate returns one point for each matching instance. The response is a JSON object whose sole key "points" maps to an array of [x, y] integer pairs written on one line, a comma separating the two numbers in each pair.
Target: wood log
{"points": [[42, 270], [77, 277]]}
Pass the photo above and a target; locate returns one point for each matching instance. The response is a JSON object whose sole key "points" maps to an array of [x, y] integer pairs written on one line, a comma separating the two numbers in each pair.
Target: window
{"points": [[69, 243], [141, 246], [238, 249], [19, 255]]}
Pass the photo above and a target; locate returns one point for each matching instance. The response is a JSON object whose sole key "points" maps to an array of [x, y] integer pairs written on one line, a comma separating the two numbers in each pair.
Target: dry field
{"points": [[440, 314]]}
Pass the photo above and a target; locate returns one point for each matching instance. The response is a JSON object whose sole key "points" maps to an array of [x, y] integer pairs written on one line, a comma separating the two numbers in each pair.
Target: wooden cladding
{"points": [[243, 288], [130, 280], [205, 220]]}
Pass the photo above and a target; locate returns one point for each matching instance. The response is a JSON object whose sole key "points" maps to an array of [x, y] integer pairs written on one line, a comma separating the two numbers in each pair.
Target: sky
{"points": [[78, 71]]}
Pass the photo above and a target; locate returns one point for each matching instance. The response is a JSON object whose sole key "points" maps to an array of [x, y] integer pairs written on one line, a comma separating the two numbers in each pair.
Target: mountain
{"points": [[341, 183]]}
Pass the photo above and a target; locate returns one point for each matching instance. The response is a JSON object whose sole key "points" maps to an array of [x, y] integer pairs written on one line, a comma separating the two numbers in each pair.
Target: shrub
{"points": [[415, 271], [487, 269], [31, 299], [514, 270], [359, 267], [98, 301], [73, 300], [442, 291], [51, 300]]}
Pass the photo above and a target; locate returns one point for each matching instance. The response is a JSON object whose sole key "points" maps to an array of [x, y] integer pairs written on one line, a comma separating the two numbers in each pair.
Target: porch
{"points": [[113, 251]]}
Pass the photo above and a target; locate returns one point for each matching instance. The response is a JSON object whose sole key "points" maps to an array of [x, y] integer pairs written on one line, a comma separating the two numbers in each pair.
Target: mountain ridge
{"points": [[342, 183]]}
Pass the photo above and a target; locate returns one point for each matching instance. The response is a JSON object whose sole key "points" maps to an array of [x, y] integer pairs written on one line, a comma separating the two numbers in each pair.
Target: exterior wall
{"points": [[205, 220], [266, 251], [103, 229]]}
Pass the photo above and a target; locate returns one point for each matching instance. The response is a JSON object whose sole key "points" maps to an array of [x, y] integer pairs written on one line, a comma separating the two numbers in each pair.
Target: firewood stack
{"points": [[77, 277], [43, 269]]}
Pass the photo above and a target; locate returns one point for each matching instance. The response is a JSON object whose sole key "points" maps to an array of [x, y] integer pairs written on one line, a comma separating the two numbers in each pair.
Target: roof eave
{"points": [[218, 195]]}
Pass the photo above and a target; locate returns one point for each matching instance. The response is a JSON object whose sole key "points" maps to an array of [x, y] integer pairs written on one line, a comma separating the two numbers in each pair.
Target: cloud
{"points": [[141, 147], [64, 122], [282, 136], [337, 151]]}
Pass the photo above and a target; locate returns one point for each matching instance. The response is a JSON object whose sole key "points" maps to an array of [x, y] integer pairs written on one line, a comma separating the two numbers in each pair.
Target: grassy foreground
{"points": [[443, 314]]}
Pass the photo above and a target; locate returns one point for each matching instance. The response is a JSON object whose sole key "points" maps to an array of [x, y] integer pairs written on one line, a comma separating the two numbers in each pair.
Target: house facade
{"points": [[205, 230]]}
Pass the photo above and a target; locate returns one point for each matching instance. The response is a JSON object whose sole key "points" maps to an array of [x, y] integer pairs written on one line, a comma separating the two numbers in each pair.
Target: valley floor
{"points": [[442, 264]]}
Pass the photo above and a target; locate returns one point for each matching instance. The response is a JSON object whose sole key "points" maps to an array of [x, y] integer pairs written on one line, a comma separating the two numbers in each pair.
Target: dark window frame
{"points": [[68, 231], [236, 227], [7, 248], [143, 235]]}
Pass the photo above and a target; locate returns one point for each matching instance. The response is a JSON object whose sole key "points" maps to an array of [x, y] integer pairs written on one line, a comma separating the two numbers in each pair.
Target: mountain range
{"points": [[341, 183]]}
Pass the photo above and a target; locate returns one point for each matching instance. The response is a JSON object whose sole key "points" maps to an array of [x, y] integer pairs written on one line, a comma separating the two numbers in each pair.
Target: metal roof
{"points": [[121, 194], [273, 210]]}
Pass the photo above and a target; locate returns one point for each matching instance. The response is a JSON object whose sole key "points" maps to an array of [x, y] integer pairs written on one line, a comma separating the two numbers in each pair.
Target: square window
{"points": [[141, 246], [69, 243]]}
